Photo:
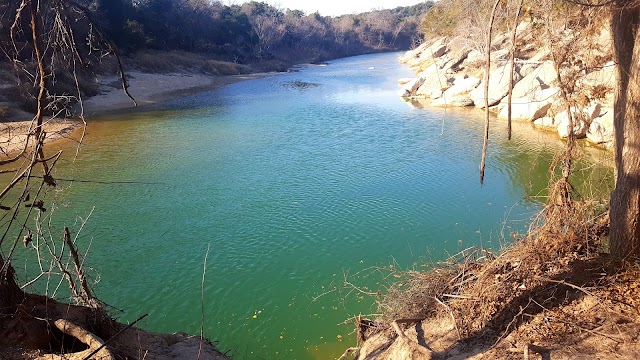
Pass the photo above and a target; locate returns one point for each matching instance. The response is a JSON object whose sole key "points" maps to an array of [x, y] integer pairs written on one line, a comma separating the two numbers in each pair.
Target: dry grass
{"points": [[4, 112], [215, 67], [180, 61]]}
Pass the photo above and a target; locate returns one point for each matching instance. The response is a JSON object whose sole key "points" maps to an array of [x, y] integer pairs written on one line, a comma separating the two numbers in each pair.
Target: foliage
{"points": [[254, 31]]}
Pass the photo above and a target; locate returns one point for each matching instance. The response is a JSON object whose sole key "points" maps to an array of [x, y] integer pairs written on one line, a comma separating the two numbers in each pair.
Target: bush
{"points": [[167, 61], [4, 112], [216, 67]]}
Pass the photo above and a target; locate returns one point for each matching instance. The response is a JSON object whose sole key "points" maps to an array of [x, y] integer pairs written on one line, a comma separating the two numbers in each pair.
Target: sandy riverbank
{"points": [[146, 88]]}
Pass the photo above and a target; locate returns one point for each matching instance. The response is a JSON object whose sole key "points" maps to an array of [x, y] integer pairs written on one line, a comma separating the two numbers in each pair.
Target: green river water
{"points": [[293, 181]]}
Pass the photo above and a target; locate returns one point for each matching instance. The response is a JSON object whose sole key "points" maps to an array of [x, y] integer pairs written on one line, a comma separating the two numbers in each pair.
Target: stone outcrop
{"points": [[534, 106], [411, 87], [449, 73], [436, 81], [498, 86]]}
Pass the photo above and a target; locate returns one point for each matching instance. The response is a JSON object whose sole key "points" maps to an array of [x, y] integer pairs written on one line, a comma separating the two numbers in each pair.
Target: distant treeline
{"points": [[255, 31], [193, 35]]}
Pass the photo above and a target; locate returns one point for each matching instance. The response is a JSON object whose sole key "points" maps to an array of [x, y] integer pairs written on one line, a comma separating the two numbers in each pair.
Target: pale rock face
{"points": [[498, 86], [412, 54], [540, 78], [581, 121], [601, 129], [524, 109], [458, 101], [461, 86], [427, 55], [457, 95], [404, 81], [501, 54], [435, 82], [530, 108], [605, 76], [410, 87], [474, 57]]}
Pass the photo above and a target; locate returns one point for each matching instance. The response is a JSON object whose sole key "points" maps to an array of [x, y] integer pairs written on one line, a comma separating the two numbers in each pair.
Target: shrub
{"points": [[216, 67]]}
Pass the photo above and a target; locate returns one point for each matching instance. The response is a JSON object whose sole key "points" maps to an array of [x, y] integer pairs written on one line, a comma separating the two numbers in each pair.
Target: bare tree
{"points": [[625, 199]]}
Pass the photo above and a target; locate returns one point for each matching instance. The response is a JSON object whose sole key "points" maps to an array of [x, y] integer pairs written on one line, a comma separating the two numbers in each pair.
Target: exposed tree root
{"points": [[92, 341], [414, 346]]}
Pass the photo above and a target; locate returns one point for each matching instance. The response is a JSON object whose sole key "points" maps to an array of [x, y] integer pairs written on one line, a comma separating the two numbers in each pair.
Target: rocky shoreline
{"points": [[450, 74]]}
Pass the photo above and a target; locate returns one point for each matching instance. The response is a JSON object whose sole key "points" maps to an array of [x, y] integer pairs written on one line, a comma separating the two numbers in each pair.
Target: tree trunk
{"points": [[487, 75], [625, 199], [10, 293]]}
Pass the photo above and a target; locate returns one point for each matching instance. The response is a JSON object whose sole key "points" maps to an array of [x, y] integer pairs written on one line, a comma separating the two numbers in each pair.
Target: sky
{"points": [[337, 7]]}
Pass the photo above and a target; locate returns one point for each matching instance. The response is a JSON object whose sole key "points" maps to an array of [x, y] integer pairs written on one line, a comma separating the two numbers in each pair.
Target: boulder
{"points": [[581, 121], [435, 82], [414, 53], [499, 55], [461, 86], [457, 101], [410, 87], [540, 78], [474, 59], [429, 54], [601, 128], [457, 95], [457, 53], [532, 107], [498, 86]]}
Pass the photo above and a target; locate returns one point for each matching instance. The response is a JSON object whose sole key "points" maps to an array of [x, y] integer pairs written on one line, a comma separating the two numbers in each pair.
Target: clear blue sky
{"points": [[335, 7]]}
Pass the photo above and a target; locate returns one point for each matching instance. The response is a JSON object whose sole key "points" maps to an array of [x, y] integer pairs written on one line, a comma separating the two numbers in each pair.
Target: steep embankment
{"points": [[450, 72]]}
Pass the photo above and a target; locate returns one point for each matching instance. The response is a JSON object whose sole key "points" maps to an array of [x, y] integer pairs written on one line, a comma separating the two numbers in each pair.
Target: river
{"points": [[294, 183]]}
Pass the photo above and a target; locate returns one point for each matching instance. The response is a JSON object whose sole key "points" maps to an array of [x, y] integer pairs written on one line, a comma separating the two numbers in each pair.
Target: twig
{"points": [[204, 272], [86, 292], [460, 297], [455, 324], [562, 282]]}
